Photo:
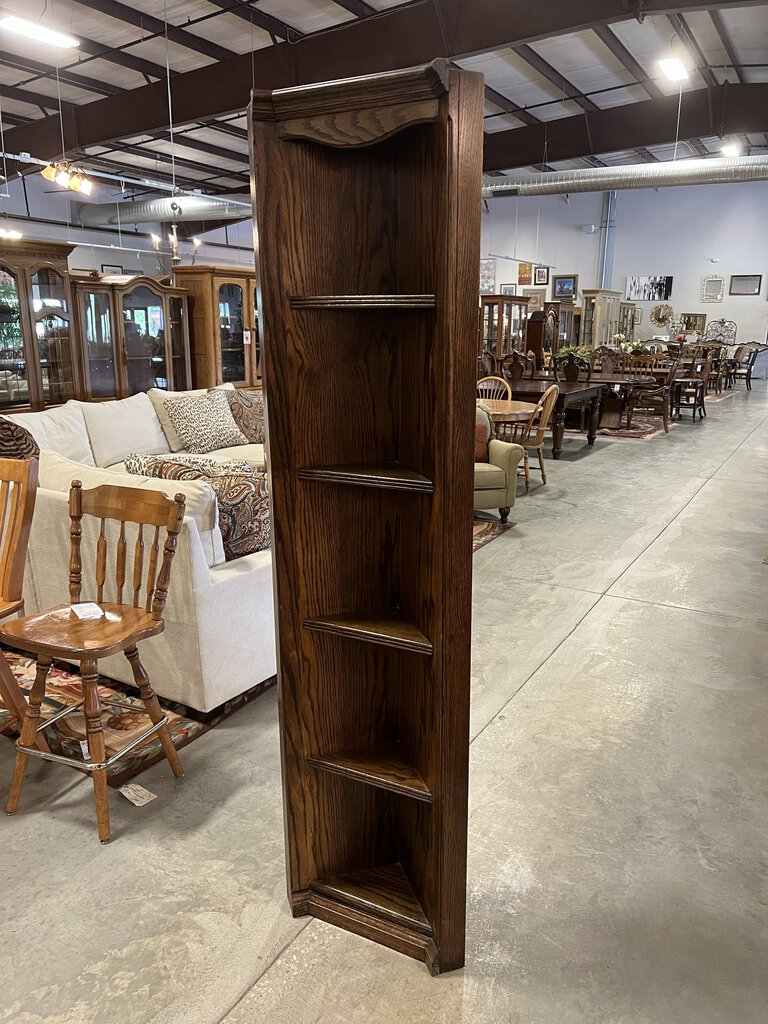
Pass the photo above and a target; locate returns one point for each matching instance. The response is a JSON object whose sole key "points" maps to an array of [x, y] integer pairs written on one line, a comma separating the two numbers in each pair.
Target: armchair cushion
{"points": [[483, 434], [489, 477]]}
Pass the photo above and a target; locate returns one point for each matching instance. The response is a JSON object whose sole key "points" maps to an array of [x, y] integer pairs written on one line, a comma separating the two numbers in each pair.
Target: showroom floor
{"points": [[619, 794]]}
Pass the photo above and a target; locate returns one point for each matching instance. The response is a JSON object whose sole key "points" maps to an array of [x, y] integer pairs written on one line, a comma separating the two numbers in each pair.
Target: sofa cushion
{"points": [[247, 409], [16, 442], [483, 434], [158, 398], [61, 430], [123, 426], [204, 422], [489, 477], [253, 454], [57, 474], [241, 493]]}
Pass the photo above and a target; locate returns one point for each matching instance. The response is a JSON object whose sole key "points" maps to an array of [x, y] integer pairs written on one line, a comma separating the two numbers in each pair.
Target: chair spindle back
{"points": [[18, 490], [494, 388]]}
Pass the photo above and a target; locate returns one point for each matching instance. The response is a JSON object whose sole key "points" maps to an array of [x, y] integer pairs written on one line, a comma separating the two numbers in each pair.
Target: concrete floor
{"points": [[619, 794]]}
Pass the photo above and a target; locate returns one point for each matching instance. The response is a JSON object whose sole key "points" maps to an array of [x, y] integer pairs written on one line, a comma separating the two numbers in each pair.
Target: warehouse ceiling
{"points": [[569, 83]]}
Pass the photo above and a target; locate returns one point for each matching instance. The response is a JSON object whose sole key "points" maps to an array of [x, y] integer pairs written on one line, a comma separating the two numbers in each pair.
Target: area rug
{"points": [[484, 532], [120, 724], [643, 428]]}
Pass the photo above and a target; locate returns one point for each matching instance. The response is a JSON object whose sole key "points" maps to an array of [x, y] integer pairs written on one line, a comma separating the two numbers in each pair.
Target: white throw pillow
{"points": [[118, 428], [57, 474], [204, 422], [158, 398], [60, 430]]}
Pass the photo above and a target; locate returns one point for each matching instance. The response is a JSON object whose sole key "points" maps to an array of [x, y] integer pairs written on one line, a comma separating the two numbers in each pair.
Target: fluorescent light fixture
{"points": [[731, 149], [674, 69], [6, 233], [62, 176], [34, 30]]}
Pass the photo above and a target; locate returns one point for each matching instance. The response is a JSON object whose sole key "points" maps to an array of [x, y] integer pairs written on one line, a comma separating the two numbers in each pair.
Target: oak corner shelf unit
{"points": [[366, 200]]}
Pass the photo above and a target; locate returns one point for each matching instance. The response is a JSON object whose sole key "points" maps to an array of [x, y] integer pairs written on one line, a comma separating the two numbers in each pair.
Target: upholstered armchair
{"points": [[496, 465]]}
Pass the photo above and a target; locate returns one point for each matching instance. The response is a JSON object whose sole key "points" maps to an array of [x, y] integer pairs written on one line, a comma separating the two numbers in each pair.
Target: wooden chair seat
{"points": [[79, 631]]}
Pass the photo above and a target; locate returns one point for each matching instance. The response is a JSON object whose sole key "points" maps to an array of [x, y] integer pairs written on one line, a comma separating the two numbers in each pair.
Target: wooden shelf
{"points": [[382, 766], [389, 628], [390, 475], [384, 892], [362, 301]]}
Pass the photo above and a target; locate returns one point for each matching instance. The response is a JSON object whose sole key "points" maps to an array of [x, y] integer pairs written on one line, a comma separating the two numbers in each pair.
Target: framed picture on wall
{"points": [[541, 275], [746, 284], [525, 273], [712, 288], [507, 289], [694, 323], [488, 277], [537, 296], [565, 286], [111, 268], [649, 289]]}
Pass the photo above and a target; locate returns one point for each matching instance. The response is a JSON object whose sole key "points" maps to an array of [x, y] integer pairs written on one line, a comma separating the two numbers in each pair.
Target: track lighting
{"points": [[67, 176], [49, 172], [62, 176]]}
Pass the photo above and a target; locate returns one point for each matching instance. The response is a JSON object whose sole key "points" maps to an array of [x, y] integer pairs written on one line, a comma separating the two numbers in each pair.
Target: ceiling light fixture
{"points": [[33, 30], [49, 172], [10, 234], [731, 149], [63, 176], [674, 69], [67, 176]]}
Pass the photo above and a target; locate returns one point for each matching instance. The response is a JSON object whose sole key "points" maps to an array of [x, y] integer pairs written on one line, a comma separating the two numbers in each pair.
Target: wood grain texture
{"points": [[359, 127], [367, 267]]}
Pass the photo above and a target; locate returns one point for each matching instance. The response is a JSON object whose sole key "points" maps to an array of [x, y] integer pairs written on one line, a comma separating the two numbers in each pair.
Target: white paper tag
{"points": [[84, 749], [87, 610], [136, 794], [246, 337]]}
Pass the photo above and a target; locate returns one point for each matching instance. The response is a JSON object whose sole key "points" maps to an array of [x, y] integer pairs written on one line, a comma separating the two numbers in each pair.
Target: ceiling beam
{"points": [[36, 67], [688, 40], [727, 109], [276, 28], [144, 21], [357, 7], [622, 54], [725, 39], [401, 37]]}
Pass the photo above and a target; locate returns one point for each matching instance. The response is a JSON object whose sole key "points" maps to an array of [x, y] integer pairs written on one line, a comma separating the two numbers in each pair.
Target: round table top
{"points": [[500, 410]]}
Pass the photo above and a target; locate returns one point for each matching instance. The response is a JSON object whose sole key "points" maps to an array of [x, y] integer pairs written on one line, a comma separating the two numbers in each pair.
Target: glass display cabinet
{"points": [[627, 320], [503, 324], [38, 357], [599, 316], [134, 335], [224, 324]]}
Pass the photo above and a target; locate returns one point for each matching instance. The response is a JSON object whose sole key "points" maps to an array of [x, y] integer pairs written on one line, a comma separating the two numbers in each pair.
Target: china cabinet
{"points": [[503, 323], [38, 356], [133, 335], [599, 316], [224, 329]]}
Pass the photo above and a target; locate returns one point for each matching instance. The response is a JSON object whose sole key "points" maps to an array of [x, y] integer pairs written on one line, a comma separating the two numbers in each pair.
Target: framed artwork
{"points": [[746, 284], [712, 288], [649, 289], [488, 277], [694, 323], [525, 273], [565, 286], [111, 268], [507, 289], [638, 316], [537, 296], [541, 275]]}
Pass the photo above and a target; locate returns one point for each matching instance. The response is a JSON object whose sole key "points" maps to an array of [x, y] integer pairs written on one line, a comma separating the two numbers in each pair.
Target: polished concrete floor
{"points": [[618, 860]]}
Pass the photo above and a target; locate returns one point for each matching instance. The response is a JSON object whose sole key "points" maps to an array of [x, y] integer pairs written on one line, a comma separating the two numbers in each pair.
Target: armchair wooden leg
{"points": [[96, 746], [28, 733], [504, 513], [154, 710], [540, 453]]}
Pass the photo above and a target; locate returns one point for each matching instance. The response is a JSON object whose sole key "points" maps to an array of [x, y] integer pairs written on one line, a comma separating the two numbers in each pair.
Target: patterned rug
{"points": [[120, 725], [484, 532], [643, 428]]}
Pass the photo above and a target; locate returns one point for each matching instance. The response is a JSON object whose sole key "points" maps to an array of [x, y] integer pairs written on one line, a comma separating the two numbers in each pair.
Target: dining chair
{"points": [[18, 490], [494, 388], [533, 434], [86, 632], [744, 370], [691, 390], [654, 399]]}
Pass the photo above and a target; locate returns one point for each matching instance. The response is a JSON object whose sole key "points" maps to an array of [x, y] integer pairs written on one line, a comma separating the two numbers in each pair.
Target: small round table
{"points": [[504, 412]]}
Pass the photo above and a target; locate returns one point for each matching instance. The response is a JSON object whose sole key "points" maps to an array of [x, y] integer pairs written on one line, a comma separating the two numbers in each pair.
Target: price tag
{"points": [[84, 749], [137, 795], [246, 337]]}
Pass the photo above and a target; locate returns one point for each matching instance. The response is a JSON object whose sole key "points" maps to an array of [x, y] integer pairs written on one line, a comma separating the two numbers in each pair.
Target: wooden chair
{"points": [[487, 364], [744, 370], [85, 633], [691, 390], [18, 490], [654, 399], [494, 388], [533, 434], [516, 366]]}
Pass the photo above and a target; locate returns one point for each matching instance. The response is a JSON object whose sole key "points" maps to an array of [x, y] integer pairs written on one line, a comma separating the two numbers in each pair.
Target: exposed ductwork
{"points": [[717, 171], [166, 210]]}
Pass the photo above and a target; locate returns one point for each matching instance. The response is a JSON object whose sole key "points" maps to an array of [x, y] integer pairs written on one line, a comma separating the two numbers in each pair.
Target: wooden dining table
{"points": [[571, 393], [508, 412]]}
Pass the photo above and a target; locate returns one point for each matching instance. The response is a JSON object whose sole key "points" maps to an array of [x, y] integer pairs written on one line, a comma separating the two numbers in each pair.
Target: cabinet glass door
{"points": [[53, 332], [231, 339], [144, 340], [178, 343], [14, 389], [100, 344]]}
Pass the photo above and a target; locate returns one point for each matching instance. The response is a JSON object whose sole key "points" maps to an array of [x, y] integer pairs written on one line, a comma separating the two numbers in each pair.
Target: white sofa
{"points": [[219, 637]]}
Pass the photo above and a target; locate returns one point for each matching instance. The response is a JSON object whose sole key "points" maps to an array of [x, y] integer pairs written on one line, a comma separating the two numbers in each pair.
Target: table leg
{"points": [[12, 696], [594, 419], [558, 430]]}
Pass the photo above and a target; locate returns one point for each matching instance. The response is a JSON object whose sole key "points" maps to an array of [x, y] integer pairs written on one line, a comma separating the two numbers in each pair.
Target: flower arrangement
{"points": [[634, 348], [619, 339]]}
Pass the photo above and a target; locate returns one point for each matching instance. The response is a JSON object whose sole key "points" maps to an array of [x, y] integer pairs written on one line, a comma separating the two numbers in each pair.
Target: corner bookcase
{"points": [[367, 215]]}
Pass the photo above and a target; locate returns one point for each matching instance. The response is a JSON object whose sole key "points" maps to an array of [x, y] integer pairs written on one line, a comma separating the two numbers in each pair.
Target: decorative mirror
{"points": [[712, 288], [660, 314]]}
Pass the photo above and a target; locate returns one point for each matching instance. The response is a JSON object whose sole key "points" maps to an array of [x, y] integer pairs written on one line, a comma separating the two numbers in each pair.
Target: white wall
{"points": [[672, 232]]}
